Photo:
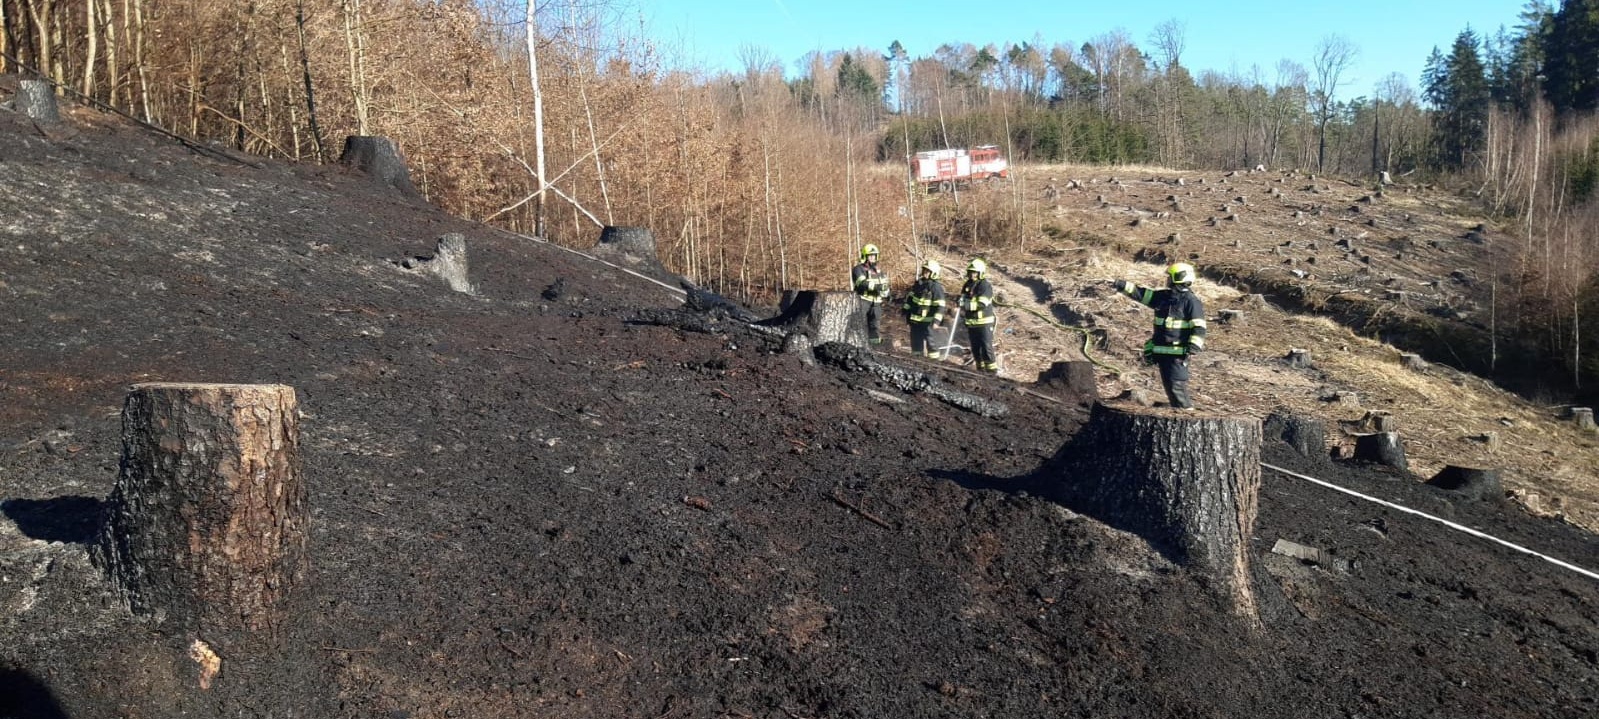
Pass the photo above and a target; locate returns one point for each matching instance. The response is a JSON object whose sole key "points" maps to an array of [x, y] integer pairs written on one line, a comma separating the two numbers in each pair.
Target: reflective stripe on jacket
{"points": [[977, 302], [925, 304], [870, 283], [1179, 319]]}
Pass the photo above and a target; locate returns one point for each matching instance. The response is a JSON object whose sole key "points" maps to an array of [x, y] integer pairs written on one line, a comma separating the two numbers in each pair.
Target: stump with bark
{"points": [[448, 262], [208, 522], [1186, 482], [1298, 357], [1383, 448], [1471, 483], [1583, 416], [1306, 435], [1073, 381], [379, 158], [824, 317]]}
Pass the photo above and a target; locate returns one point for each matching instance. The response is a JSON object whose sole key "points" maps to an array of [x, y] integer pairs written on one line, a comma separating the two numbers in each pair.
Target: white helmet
{"points": [[978, 266], [932, 268]]}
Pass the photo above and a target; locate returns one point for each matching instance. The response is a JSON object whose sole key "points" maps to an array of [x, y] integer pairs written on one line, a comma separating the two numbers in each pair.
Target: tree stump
{"points": [[1306, 435], [1072, 381], [1230, 317], [1378, 420], [37, 100], [379, 158], [207, 522], [1298, 357], [1583, 416], [825, 317], [1470, 483], [449, 264], [1382, 448], [1188, 483], [1412, 361]]}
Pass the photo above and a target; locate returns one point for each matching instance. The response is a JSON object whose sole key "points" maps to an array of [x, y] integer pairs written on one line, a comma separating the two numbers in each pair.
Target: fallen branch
{"points": [[868, 515]]}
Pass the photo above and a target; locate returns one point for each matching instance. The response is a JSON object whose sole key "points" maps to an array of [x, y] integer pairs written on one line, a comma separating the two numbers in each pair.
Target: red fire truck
{"points": [[951, 168]]}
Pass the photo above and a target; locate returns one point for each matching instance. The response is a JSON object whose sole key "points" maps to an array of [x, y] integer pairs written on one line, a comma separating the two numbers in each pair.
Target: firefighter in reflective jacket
{"points": [[977, 305], [1179, 328], [871, 285], [924, 308]]}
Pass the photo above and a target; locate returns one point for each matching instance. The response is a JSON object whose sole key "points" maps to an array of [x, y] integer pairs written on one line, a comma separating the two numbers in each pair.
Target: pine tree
{"points": [[1457, 85], [1571, 56]]}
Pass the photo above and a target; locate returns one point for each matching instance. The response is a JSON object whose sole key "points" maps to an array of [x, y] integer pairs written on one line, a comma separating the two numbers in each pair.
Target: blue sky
{"points": [[1391, 36]]}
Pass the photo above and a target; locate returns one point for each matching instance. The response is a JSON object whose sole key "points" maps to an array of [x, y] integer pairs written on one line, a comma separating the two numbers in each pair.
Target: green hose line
{"points": [[1087, 336]]}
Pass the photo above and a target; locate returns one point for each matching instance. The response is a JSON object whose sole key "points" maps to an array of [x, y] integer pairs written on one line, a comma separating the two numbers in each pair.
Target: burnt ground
{"points": [[564, 495]]}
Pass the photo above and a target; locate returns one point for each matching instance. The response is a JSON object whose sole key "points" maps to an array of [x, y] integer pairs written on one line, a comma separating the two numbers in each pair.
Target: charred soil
{"points": [[565, 494]]}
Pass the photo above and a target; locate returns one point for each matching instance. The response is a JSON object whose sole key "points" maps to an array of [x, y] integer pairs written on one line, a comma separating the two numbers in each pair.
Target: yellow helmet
{"points": [[932, 268], [868, 251], [978, 266], [1180, 273]]}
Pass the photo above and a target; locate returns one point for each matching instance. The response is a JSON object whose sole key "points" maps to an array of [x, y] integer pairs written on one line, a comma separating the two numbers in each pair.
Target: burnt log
{"points": [[1186, 482], [36, 99], [824, 317], [1470, 483], [207, 522], [380, 159], [1072, 381], [1383, 448]]}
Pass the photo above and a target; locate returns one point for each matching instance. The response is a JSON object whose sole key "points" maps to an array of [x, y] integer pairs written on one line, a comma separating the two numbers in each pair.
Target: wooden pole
{"points": [[208, 520]]}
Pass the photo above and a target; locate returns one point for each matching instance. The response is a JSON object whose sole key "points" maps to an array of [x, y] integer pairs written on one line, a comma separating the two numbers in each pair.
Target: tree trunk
{"points": [[37, 100], [208, 521], [1073, 381], [1186, 482], [1306, 435]]}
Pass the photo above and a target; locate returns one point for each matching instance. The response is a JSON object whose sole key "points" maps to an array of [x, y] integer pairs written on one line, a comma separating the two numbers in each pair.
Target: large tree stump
{"points": [[635, 249], [824, 317], [1583, 416], [380, 158], [208, 522], [1187, 482], [37, 100]]}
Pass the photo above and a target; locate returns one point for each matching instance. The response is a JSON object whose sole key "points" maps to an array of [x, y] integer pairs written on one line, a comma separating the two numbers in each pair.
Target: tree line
{"points": [[758, 179]]}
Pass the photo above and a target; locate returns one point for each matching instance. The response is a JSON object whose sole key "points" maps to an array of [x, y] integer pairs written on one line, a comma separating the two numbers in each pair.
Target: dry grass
{"points": [[1443, 414]]}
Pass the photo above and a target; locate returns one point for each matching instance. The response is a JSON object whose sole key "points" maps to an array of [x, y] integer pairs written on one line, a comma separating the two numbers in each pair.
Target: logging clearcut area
{"points": [[559, 490]]}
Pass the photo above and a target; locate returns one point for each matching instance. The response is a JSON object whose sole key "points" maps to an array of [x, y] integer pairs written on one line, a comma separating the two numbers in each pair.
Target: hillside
{"points": [[549, 498]]}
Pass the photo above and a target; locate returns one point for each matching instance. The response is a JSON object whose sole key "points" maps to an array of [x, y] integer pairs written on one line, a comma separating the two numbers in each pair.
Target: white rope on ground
{"points": [[1440, 520]]}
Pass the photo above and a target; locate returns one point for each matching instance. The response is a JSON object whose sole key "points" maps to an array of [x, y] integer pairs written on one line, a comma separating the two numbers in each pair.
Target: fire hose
{"points": [[1087, 334]]}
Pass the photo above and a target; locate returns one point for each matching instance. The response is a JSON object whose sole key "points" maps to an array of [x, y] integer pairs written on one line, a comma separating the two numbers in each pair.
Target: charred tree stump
{"points": [[1298, 358], [37, 100], [824, 317], [1583, 416], [1411, 361], [208, 523], [1470, 483], [1306, 435], [1072, 381], [1381, 447], [380, 158], [1188, 483], [448, 263]]}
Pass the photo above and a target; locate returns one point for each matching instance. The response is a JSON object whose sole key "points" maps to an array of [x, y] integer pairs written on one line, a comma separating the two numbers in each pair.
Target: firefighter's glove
{"points": [[1195, 349], [1149, 357]]}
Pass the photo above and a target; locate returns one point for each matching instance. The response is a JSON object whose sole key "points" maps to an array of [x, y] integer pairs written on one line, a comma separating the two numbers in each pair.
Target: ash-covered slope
{"points": [[538, 500]]}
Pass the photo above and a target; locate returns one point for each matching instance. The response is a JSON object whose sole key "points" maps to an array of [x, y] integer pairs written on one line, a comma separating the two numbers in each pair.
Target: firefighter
{"points": [[1179, 328], [871, 285], [977, 304], [924, 308]]}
